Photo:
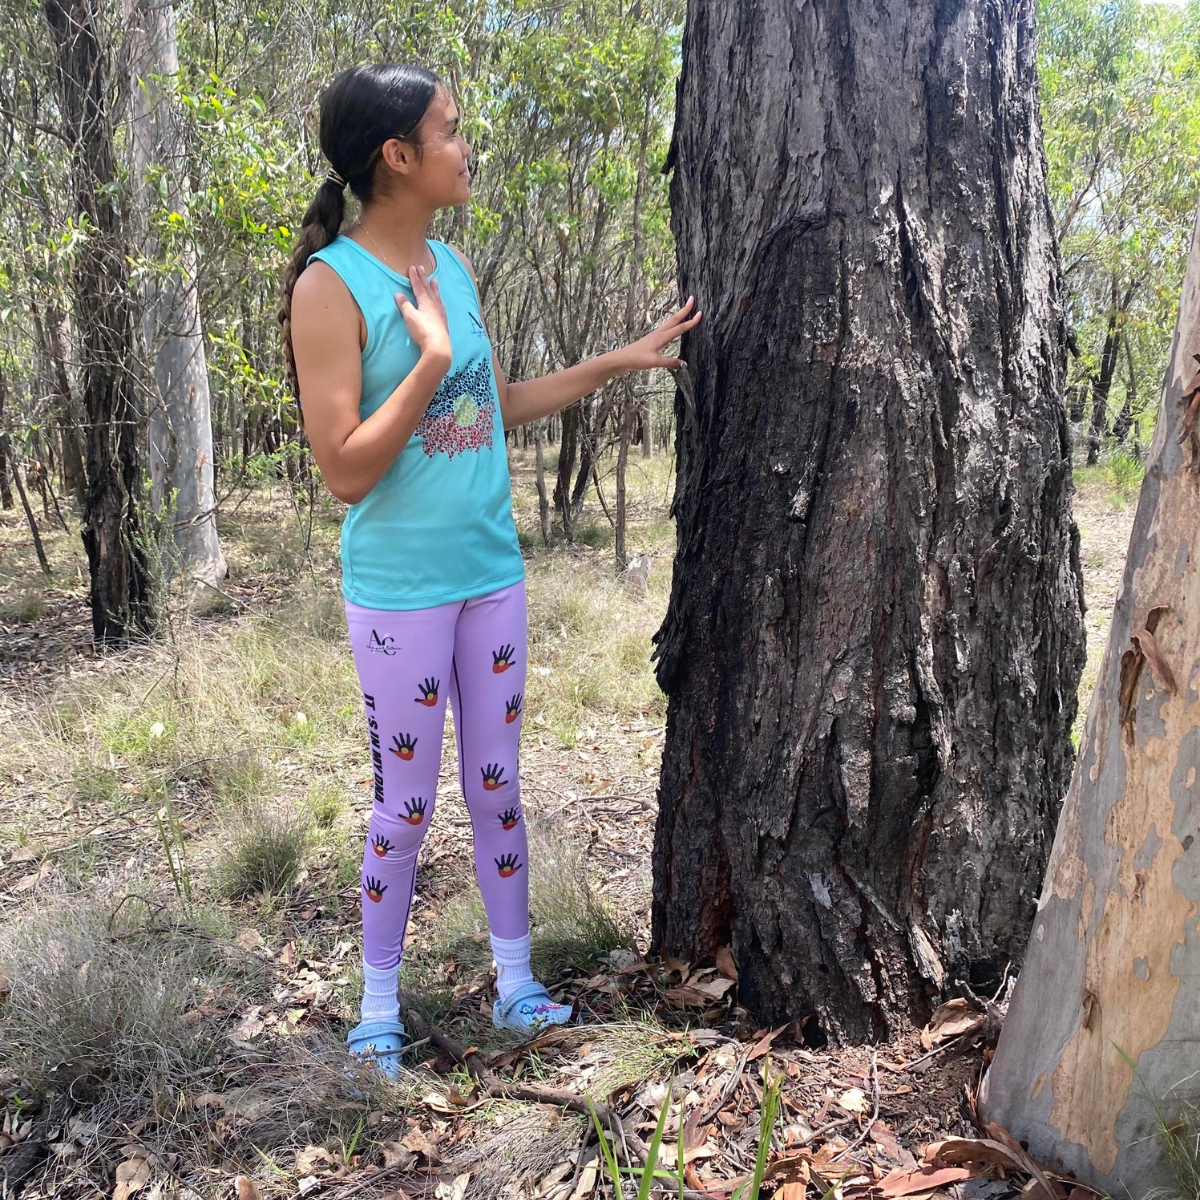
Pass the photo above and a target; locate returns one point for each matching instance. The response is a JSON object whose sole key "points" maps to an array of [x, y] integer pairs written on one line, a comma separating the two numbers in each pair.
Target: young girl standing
{"points": [[405, 406]]}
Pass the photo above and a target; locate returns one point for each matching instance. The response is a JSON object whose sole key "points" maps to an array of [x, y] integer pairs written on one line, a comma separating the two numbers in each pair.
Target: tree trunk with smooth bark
{"points": [[1103, 1024], [874, 635], [180, 436]]}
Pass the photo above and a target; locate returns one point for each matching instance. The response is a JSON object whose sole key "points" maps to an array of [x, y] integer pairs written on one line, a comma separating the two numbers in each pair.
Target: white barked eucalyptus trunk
{"points": [[1103, 1032], [180, 435]]}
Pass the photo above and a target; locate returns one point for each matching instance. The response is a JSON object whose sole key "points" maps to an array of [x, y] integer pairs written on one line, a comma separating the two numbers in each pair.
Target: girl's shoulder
{"points": [[463, 263]]}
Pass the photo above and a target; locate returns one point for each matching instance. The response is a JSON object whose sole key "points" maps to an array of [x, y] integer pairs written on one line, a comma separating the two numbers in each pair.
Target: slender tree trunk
{"points": [[6, 464], [181, 442], [1124, 422], [1104, 1022], [567, 446], [55, 345], [543, 500], [874, 634], [625, 416], [6, 457], [633, 303], [120, 584]]}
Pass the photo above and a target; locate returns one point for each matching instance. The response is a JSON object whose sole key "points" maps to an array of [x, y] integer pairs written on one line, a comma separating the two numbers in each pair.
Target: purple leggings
{"points": [[409, 662]]}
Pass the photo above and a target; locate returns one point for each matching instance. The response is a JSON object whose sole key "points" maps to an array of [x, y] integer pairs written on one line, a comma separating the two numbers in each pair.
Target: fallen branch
{"points": [[637, 1150]]}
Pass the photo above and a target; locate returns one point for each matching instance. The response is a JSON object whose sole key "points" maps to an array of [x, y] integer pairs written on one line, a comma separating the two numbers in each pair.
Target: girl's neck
{"points": [[398, 241]]}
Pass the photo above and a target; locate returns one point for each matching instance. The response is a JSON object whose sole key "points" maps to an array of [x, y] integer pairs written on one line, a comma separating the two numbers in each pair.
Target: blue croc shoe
{"points": [[529, 1009], [378, 1044]]}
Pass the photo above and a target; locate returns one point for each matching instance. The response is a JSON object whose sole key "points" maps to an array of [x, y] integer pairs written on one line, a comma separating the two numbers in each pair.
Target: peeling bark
{"points": [[874, 635], [1100, 1022]]}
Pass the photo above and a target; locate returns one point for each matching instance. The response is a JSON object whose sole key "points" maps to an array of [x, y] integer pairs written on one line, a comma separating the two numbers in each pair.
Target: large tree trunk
{"points": [[120, 584], [1104, 1020], [874, 634], [181, 444]]}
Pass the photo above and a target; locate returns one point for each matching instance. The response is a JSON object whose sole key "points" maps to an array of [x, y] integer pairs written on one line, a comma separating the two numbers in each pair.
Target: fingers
{"points": [[677, 316], [678, 323]]}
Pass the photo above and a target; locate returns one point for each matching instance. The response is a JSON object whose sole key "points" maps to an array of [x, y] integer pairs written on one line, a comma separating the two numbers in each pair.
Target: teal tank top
{"points": [[439, 525]]}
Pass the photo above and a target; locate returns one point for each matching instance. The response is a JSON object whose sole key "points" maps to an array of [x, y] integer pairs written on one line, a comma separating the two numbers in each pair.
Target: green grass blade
{"points": [[655, 1143], [679, 1152], [770, 1109], [610, 1162]]}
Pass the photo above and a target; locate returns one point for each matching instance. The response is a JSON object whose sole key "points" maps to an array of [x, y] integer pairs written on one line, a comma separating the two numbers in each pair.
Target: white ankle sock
{"points": [[512, 964], [379, 1002]]}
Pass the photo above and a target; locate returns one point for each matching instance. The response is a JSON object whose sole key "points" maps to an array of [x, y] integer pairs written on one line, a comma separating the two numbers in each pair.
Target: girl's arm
{"points": [[530, 399], [352, 454]]}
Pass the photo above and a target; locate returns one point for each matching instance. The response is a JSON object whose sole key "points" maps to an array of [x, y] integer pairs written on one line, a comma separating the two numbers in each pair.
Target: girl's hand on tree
{"points": [[646, 352], [426, 320]]}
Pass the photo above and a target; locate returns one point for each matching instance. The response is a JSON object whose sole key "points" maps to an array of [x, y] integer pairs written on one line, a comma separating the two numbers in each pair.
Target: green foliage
{"points": [[1120, 96]]}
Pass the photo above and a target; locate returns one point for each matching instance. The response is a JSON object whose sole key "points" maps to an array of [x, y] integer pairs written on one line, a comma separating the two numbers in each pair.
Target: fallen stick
{"points": [[498, 1088]]}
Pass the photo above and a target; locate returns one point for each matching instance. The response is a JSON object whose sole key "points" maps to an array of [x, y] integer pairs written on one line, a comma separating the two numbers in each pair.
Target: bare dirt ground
{"points": [[265, 1110]]}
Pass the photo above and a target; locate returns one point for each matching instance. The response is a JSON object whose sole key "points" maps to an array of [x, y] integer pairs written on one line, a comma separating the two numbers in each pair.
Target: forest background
{"points": [[223, 763]]}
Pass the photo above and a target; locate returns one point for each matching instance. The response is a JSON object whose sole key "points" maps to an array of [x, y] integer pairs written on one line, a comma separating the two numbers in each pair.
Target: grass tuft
{"points": [[100, 985], [261, 850], [24, 608]]}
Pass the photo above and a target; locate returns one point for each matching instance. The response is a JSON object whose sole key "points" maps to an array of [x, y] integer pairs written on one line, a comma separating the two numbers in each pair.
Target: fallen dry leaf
{"points": [[950, 1020], [419, 1142], [23, 885], [687, 997], [309, 1159], [455, 1191], [132, 1174], [246, 1188], [249, 939], [913, 1183], [764, 1043], [450, 1103], [725, 963], [396, 1155]]}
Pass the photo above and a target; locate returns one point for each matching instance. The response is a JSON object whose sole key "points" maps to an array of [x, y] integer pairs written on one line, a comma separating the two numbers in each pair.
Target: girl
{"points": [[405, 406]]}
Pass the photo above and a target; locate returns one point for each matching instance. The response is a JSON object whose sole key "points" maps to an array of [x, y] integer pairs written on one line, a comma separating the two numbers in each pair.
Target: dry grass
{"points": [[221, 773], [571, 926], [101, 982], [204, 726]]}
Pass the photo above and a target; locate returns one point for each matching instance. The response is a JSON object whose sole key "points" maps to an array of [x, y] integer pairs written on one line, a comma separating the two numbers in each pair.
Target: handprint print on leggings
{"points": [[477, 648]]}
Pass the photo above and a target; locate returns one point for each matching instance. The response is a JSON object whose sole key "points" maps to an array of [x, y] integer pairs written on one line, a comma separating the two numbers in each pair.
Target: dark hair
{"points": [[360, 110]]}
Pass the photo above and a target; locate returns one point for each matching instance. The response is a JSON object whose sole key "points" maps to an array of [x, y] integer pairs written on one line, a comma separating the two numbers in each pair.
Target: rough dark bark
{"points": [[875, 628], [120, 585]]}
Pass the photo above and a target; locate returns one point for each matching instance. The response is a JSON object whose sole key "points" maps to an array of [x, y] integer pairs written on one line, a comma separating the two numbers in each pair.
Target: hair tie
{"points": [[332, 176]]}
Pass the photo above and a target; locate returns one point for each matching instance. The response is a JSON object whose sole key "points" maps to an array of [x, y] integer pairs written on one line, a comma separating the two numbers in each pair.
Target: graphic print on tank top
{"points": [[459, 417]]}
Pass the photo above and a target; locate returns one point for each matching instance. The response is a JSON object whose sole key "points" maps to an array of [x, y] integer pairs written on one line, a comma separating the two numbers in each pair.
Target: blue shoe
{"points": [[528, 1009], [378, 1044]]}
